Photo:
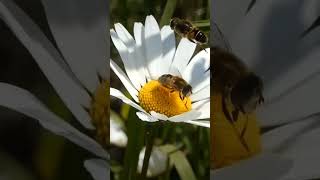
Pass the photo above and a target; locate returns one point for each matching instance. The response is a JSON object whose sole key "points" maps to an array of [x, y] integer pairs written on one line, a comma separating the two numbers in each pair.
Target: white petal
{"points": [[117, 135], [98, 168], [168, 48], [260, 50], [159, 116], [127, 56], [199, 123], [196, 72], [138, 31], [136, 62], [183, 55], [153, 47], [22, 101], [262, 167], [48, 59], [125, 36], [81, 32], [298, 141], [118, 94], [157, 162], [146, 117], [203, 107], [202, 94], [124, 79], [190, 115], [305, 69], [228, 20], [297, 103]]}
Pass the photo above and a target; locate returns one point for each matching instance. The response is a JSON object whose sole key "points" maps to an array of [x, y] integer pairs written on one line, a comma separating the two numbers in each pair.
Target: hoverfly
{"points": [[185, 29]]}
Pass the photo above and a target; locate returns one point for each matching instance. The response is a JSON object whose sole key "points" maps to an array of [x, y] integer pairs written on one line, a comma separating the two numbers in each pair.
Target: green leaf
{"points": [[182, 165], [168, 12], [202, 23]]}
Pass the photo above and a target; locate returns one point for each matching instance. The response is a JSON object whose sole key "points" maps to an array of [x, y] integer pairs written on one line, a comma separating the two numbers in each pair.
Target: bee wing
{"points": [[218, 39]]}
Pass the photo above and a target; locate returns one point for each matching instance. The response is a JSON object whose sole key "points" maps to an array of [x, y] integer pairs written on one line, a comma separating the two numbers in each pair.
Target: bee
{"points": [[233, 79], [185, 29], [176, 83]]}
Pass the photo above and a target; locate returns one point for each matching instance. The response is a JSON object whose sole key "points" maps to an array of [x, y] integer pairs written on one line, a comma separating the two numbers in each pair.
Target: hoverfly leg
{"points": [[244, 130], [261, 99], [192, 40], [202, 48], [185, 104], [181, 96], [225, 109]]}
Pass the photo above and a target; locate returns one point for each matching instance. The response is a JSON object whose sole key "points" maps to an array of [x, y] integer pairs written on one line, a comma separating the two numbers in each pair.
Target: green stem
{"points": [[149, 144]]}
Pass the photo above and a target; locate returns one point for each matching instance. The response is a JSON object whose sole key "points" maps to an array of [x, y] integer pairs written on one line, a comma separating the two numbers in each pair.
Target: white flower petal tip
{"points": [[262, 167], [146, 117], [118, 94], [98, 168], [157, 162], [182, 56], [153, 47]]}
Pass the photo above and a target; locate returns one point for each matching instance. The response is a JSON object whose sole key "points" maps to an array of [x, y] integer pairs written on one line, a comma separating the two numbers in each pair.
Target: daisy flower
{"points": [[78, 74], [269, 39], [152, 53]]}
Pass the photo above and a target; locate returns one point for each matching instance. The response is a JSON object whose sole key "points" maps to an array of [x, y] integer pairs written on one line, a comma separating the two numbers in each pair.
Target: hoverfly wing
{"points": [[217, 39]]}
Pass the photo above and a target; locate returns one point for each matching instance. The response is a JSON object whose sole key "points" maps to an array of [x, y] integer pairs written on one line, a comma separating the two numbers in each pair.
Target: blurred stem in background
{"points": [[136, 137], [168, 12], [151, 131]]}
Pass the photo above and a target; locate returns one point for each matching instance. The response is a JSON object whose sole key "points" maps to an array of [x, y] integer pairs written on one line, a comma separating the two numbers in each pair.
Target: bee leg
{"points": [[181, 96], [192, 40], [261, 99], [201, 47], [185, 104], [243, 132], [225, 110], [235, 115]]}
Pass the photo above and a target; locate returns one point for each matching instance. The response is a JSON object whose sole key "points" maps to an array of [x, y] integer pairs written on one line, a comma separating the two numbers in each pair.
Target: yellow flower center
{"points": [[153, 96], [232, 143], [99, 112]]}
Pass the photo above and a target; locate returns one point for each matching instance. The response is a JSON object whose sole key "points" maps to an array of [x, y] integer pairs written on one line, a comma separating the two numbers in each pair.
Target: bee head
{"points": [[186, 91], [246, 95]]}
